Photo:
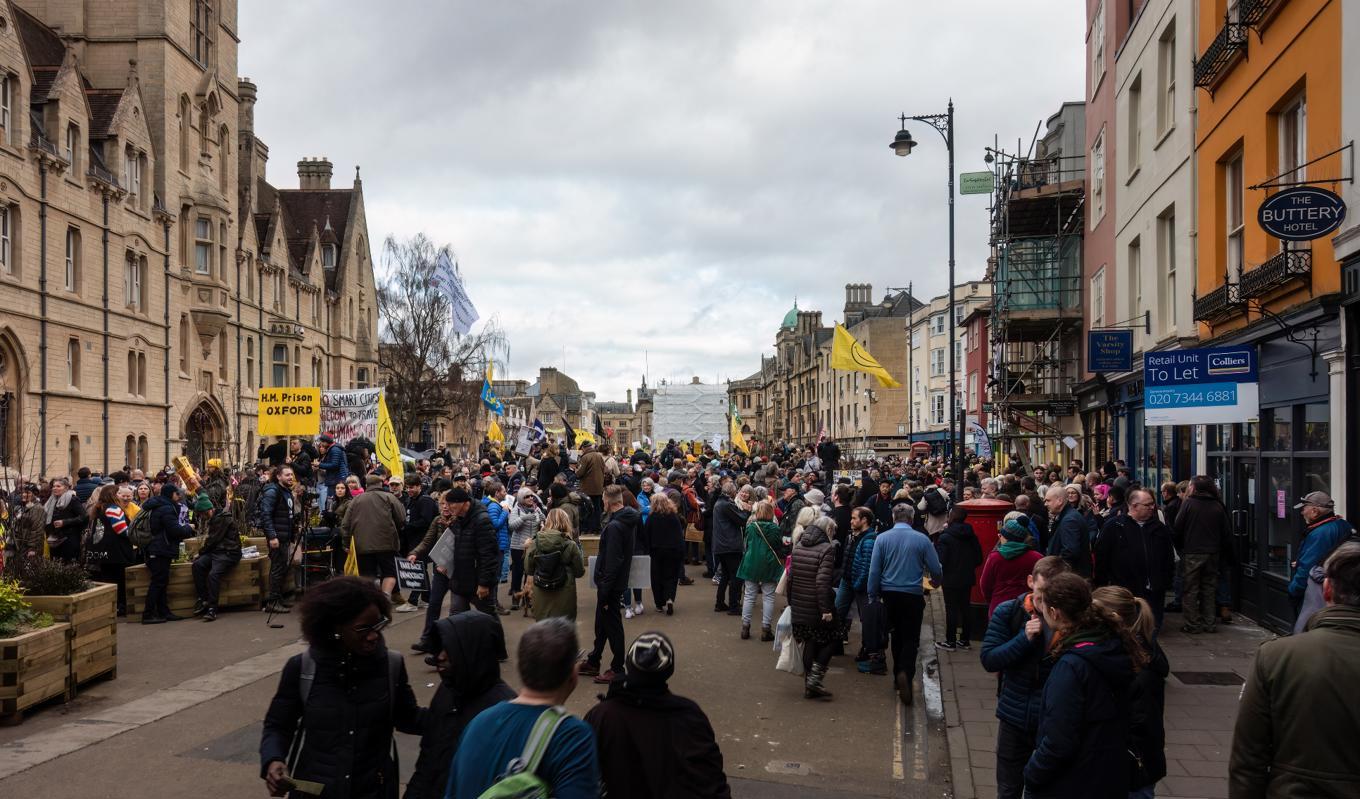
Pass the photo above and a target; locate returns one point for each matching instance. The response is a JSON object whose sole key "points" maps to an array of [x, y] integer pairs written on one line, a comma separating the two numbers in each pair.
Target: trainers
{"points": [[406, 607], [874, 666], [670, 608], [963, 645], [628, 612], [589, 669], [946, 645], [686, 581], [274, 607], [210, 614], [605, 678], [638, 609]]}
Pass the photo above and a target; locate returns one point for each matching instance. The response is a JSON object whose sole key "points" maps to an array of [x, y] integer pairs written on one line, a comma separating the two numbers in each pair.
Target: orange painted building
{"points": [[1268, 82]]}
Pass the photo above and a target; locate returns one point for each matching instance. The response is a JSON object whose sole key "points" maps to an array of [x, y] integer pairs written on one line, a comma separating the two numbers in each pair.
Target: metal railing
{"points": [[102, 175], [1281, 270], [1252, 12], [1217, 305], [1220, 54]]}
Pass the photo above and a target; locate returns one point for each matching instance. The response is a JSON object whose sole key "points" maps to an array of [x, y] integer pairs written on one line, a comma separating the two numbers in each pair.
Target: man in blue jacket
{"points": [[331, 469], [1326, 531], [1069, 538], [493, 494], [901, 558], [1015, 644], [166, 533]]}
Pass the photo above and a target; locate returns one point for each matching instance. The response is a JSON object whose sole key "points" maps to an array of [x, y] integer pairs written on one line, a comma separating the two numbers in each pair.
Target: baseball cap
{"points": [[1320, 499]]}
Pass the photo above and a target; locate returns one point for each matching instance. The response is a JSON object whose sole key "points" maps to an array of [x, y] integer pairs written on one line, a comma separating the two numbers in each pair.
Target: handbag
{"points": [[693, 535], [783, 588]]}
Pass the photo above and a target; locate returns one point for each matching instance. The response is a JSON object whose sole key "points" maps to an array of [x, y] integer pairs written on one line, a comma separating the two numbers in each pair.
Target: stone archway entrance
{"points": [[205, 433]]}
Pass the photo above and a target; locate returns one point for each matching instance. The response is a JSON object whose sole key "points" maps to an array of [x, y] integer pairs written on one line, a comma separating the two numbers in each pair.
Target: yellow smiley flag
{"points": [[848, 354], [388, 452], [493, 432]]}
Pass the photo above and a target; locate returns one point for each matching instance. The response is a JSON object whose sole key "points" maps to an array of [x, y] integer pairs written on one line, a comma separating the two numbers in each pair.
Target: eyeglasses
{"points": [[377, 627]]}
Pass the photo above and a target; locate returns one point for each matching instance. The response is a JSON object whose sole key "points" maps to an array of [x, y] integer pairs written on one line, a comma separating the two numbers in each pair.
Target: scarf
{"points": [[1010, 550], [55, 503]]}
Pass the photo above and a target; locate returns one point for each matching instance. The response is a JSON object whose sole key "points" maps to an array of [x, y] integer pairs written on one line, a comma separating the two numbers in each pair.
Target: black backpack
{"points": [[550, 573], [937, 504]]}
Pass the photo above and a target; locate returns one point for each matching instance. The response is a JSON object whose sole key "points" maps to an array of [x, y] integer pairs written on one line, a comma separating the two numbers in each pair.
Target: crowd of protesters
{"points": [[1076, 589]]}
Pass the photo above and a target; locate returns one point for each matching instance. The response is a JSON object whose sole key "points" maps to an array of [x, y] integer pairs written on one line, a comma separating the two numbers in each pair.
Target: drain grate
{"points": [[1209, 677]]}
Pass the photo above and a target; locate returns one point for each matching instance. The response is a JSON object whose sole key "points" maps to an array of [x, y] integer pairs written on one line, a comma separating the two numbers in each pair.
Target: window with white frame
{"points": [[960, 310], [1232, 208], [937, 361], [1166, 79], [1098, 298], [72, 263], [937, 322], [1134, 146], [132, 177], [203, 246], [937, 407], [328, 256], [1098, 179], [73, 147], [1097, 47], [958, 351], [972, 392], [280, 365], [6, 248], [1293, 138], [1166, 269], [7, 84]]}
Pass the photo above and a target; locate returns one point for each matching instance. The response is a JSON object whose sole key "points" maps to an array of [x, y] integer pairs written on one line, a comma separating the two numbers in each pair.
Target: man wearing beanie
{"points": [[220, 553], [650, 741]]}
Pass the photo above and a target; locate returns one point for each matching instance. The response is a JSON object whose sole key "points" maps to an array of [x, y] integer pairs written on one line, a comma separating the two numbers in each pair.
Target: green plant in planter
{"points": [[43, 577], [15, 614]]}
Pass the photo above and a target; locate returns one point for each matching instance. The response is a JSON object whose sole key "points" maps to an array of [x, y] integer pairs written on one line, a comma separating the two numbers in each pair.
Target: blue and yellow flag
{"points": [[489, 398]]}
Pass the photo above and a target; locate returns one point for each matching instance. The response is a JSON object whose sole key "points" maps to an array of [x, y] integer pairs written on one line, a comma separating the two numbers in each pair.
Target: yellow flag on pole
{"points": [[848, 354], [389, 453], [738, 440], [493, 432]]}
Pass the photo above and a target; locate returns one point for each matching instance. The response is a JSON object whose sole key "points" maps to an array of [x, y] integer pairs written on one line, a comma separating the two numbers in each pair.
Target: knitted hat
{"points": [[1015, 530], [651, 659], [203, 504]]}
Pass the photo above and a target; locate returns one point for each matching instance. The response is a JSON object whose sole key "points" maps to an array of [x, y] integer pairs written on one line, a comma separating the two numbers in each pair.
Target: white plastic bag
{"points": [[790, 656]]}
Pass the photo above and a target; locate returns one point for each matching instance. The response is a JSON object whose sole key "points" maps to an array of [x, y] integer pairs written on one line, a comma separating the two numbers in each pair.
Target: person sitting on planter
{"points": [[220, 553], [30, 524]]}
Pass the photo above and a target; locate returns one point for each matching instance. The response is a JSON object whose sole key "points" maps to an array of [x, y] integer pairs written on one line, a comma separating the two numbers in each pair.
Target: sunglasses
{"points": [[376, 627]]}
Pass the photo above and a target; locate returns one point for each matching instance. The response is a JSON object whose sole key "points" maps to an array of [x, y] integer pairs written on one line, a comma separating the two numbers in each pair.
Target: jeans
{"points": [[608, 628], [748, 603], [956, 615], [516, 573], [439, 587], [1201, 586], [666, 570], [904, 611], [278, 568], [157, 606], [1013, 749], [845, 596], [728, 583], [323, 493], [208, 573]]}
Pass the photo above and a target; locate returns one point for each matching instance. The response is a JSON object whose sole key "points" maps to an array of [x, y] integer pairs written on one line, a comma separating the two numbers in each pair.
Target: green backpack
{"points": [[139, 531], [519, 780]]}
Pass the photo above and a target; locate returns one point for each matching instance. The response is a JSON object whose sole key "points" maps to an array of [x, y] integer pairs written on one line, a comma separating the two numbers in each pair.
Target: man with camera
{"points": [[277, 519]]}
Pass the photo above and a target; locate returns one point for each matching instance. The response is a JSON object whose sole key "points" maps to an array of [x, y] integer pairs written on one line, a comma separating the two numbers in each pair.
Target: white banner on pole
{"points": [[447, 280]]}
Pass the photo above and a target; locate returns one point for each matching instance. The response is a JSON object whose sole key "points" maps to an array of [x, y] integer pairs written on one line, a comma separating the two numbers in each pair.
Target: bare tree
{"points": [[430, 370]]}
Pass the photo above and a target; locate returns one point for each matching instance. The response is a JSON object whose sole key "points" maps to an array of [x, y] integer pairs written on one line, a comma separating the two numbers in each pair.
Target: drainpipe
{"points": [[42, 315], [104, 239], [166, 434], [237, 322]]}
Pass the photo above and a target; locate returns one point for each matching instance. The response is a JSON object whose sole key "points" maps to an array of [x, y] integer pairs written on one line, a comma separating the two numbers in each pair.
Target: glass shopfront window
{"points": [[1279, 516]]}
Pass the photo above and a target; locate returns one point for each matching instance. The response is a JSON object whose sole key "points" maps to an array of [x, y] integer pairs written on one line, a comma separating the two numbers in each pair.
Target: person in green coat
{"points": [[557, 554], [761, 567]]}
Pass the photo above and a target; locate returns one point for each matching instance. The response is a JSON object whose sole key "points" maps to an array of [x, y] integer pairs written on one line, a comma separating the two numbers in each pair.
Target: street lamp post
{"points": [[902, 144]]}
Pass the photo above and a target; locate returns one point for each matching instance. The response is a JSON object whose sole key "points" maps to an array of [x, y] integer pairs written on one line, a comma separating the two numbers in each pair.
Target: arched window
{"points": [[222, 355], [73, 363], [143, 452], [141, 374], [280, 365], [184, 125], [132, 373], [223, 164], [130, 451]]}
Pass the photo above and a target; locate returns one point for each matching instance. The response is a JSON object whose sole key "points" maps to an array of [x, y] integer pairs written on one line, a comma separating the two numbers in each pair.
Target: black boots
{"points": [[812, 683]]}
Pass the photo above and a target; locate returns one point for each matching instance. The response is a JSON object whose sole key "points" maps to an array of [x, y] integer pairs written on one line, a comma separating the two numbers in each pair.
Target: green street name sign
{"points": [[975, 182]]}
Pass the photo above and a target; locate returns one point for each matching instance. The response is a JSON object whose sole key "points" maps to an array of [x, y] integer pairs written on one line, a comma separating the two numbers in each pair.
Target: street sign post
{"points": [[976, 182], [1216, 385]]}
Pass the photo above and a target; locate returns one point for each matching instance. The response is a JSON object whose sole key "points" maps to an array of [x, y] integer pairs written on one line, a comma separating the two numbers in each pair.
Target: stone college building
{"points": [[151, 279]]}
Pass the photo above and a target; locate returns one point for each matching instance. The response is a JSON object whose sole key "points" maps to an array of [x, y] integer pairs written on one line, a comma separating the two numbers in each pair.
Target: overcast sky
{"points": [[663, 177]]}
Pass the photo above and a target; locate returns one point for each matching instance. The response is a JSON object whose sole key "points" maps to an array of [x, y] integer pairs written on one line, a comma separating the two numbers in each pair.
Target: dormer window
{"points": [[132, 175], [73, 147], [328, 256]]}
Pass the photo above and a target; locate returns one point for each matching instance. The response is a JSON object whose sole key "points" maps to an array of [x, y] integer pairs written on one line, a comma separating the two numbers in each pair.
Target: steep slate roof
{"points": [[613, 407], [42, 44], [103, 105], [304, 209], [43, 78]]}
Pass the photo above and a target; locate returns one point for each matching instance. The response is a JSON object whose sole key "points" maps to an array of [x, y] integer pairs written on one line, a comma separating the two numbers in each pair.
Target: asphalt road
{"points": [[190, 718]]}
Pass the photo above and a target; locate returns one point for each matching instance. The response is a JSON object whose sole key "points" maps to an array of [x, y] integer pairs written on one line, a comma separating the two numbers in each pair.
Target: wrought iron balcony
{"points": [[1217, 305], [1287, 267], [1252, 12], [1220, 55]]}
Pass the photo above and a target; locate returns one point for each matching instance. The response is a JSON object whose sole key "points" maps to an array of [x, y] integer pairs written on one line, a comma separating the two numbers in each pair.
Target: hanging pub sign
{"points": [[1109, 350], [1301, 213]]}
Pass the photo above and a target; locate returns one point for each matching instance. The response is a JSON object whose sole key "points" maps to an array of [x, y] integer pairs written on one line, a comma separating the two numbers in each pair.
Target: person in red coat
{"points": [[1006, 567]]}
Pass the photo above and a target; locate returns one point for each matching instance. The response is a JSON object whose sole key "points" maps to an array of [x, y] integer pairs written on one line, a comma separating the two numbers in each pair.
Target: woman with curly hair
{"points": [[1081, 745], [332, 717]]}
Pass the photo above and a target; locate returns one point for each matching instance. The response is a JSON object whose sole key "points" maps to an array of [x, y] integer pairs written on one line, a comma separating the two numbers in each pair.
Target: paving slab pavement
{"points": [[1199, 718]]}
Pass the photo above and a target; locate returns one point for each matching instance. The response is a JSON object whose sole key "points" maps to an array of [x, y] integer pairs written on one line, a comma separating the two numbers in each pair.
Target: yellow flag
{"points": [[493, 432], [848, 354], [389, 454], [583, 435], [352, 561], [738, 440]]}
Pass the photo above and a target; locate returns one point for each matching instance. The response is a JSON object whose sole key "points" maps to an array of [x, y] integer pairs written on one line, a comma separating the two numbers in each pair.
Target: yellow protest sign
{"points": [[290, 411], [388, 451]]}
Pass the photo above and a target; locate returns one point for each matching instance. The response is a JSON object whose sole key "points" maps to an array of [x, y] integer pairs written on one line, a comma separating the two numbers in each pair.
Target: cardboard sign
{"points": [[639, 571], [412, 576], [290, 411]]}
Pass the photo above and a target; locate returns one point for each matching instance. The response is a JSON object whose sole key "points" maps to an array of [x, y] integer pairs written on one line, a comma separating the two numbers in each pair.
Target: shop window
{"points": [[1317, 433], [1279, 431]]}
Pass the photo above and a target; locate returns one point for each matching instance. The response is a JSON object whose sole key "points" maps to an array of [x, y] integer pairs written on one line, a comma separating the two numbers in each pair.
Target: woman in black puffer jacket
{"points": [[812, 600]]}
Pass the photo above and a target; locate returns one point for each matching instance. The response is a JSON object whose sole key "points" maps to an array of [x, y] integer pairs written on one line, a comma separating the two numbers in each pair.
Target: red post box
{"points": [[985, 516]]}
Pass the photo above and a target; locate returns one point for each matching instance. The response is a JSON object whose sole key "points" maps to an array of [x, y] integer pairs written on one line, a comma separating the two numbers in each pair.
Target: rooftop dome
{"points": [[790, 318]]}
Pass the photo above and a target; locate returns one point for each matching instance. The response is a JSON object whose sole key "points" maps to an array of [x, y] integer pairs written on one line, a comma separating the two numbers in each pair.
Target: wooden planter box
{"points": [[192, 545], [93, 632], [590, 545], [247, 584], [34, 667]]}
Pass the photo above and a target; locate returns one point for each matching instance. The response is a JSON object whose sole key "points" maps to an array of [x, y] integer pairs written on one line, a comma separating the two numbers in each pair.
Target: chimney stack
{"points": [[314, 174]]}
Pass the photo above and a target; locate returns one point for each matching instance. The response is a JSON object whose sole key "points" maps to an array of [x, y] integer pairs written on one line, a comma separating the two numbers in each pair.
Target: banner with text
{"points": [[1216, 385], [350, 414], [289, 411]]}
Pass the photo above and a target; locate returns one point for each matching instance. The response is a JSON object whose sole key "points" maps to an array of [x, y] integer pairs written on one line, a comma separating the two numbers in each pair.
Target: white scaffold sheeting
{"points": [[689, 412]]}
